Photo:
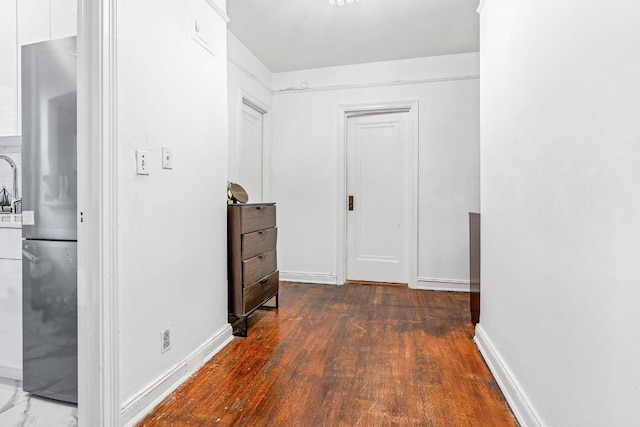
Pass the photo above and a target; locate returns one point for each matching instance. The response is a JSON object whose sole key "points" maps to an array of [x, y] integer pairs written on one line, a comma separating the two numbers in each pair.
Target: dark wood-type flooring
{"points": [[353, 355]]}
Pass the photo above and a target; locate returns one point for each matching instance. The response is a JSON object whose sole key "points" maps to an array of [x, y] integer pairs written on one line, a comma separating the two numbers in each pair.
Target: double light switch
{"points": [[142, 160]]}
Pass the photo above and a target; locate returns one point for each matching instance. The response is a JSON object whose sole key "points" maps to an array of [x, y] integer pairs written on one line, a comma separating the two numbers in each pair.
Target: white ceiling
{"points": [[291, 35]]}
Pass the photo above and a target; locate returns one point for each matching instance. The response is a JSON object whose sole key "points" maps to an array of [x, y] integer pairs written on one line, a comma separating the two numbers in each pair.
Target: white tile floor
{"points": [[20, 409]]}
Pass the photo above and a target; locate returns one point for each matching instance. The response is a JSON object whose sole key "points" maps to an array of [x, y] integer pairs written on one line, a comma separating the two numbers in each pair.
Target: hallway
{"points": [[353, 355]]}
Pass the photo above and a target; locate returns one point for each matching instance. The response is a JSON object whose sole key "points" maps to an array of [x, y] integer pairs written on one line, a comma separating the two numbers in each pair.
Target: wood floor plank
{"points": [[353, 355]]}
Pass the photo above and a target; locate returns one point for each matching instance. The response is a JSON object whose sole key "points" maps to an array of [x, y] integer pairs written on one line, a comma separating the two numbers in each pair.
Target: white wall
{"points": [[171, 224], [305, 156], [251, 79], [560, 150]]}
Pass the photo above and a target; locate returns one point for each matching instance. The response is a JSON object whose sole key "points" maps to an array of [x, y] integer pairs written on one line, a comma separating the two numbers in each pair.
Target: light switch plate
{"points": [[142, 162], [167, 158]]}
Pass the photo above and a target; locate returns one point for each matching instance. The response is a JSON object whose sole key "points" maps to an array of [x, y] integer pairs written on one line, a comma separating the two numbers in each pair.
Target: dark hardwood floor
{"points": [[353, 355]]}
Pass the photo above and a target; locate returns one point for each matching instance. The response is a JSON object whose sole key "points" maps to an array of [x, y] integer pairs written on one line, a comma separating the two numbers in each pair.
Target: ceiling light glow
{"points": [[342, 2]]}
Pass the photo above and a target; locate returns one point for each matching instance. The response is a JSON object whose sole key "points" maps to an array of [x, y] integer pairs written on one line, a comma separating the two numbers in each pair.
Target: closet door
{"points": [[251, 153], [378, 197]]}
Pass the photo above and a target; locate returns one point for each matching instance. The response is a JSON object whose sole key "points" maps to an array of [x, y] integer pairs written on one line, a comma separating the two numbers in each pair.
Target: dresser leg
{"points": [[271, 307], [239, 325]]}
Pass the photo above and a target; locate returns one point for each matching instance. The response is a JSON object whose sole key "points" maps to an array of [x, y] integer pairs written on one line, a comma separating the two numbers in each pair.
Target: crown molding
{"points": [[248, 73], [218, 10], [371, 85]]}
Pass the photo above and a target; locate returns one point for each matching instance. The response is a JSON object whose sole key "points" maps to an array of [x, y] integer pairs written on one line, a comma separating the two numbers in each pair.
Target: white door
{"points": [[377, 179], [250, 156]]}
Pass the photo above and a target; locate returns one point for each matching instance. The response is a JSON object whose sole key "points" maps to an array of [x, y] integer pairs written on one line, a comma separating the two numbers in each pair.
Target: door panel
{"points": [[250, 161], [377, 178]]}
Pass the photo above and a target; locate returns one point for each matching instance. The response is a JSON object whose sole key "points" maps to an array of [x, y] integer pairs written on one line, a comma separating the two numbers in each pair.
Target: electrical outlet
{"points": [[165, 336], [142, 162]]}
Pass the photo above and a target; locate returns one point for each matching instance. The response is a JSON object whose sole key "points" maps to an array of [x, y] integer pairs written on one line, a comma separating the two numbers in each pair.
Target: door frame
{"points": [[245, 97], [350, 110], [98, 356]]}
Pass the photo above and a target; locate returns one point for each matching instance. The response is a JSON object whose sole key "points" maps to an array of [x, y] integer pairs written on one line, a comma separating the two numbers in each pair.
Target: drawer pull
{"points": [[261, 232], [259, 207], [263, 256], [263, 281]]}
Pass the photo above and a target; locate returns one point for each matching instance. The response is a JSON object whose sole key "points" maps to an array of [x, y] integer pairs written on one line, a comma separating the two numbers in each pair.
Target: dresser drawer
{"points": [[256, 218], [258, 267], [258, 242], [259, 293]]}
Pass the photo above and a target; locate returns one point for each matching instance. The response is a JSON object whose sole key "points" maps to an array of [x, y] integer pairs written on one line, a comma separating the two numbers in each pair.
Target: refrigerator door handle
{"points": [[31, 257]]}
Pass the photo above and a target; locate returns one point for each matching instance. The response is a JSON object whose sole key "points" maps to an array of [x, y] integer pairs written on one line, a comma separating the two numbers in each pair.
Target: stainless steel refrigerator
{"points": [[49, 209]]}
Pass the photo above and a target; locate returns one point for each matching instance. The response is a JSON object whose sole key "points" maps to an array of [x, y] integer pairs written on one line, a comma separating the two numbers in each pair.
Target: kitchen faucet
{"points": [[14, 195]]}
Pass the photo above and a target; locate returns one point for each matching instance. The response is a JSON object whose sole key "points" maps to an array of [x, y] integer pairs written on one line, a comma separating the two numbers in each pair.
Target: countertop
{"points": [[10, 221]]}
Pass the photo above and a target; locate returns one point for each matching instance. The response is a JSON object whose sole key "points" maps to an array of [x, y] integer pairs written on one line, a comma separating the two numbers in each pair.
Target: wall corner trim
{"points": [[218, 10], [516, 397], [138, 406], [481, 6], [435, 284], [300, 277]]}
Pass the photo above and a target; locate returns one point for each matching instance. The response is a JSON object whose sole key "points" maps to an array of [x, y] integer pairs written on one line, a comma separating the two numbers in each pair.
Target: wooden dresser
{"points": [[253, 267], [474, 266]]}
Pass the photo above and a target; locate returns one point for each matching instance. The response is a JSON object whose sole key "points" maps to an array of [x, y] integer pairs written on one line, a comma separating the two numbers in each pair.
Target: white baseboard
{"points": [[322, 278], [424, 283], [513, 392], [432, 284], [11, 373], [142, 403]]}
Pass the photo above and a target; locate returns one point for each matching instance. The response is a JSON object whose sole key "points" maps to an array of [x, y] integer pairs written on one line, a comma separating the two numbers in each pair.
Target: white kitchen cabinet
{"points": [[64, 18], [33, 21], [11, 318], [8, 69], [11, 303], [36, 21], [33, 27], [40, 20], [10, 243]]}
